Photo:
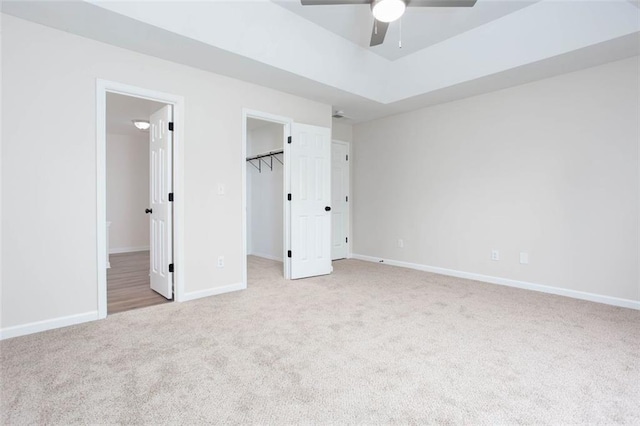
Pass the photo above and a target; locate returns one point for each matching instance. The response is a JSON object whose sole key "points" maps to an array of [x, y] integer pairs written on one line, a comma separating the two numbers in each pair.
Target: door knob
{"points": [[147, 211], [327, 209]]}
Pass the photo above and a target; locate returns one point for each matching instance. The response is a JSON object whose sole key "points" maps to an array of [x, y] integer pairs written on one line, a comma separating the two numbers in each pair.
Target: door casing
{"points": [[102, 87]]}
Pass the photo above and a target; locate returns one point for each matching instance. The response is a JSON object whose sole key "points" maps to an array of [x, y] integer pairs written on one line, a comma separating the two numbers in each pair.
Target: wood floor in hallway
{"points": [[128, 285]]}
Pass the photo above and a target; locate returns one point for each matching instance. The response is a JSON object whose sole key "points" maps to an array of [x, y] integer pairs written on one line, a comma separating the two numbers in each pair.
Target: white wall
{"points": [[128, 191], [341, 131], [49, 166], [549, 168], [265, 197]]}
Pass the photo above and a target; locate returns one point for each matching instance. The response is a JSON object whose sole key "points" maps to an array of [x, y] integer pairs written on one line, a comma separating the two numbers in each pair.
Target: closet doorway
{"points": [[265, 190], [296, 205]]}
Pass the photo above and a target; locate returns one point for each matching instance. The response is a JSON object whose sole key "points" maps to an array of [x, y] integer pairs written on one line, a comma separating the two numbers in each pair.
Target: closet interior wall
{"points": [[265, 191]]}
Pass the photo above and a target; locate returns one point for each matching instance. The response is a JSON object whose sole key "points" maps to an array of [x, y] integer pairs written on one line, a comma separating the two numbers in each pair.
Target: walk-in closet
{"points": [[265, 189]]}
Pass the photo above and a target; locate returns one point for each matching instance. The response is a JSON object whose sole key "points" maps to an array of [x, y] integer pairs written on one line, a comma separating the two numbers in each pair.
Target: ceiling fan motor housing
{"points": [[386, 11]]}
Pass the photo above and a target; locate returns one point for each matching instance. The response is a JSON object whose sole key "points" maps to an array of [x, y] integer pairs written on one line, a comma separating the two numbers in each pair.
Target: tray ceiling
{"points": [[323, 55]]}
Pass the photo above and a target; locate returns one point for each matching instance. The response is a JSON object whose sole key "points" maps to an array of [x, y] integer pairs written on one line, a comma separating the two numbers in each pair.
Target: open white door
{"points": [[160, 146], [310, 157], [339, 199]]}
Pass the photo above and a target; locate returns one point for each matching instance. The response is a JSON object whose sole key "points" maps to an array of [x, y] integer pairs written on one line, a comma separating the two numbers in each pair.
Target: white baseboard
{"points": [[592, 297], [212, 292], [38, 326], [127, 249], [266, 256]]}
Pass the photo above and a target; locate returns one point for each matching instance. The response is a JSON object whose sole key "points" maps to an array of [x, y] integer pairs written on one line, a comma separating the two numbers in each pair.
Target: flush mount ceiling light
{"points": [[141, 124], [388, 10]]}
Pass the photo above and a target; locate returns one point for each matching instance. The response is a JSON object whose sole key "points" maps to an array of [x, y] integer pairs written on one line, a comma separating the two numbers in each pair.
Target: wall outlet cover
{"points": [[495, 254]]}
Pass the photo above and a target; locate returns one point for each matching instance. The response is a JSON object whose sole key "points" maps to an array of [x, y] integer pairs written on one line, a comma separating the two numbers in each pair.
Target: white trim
{"points": [[266, 256], [575, 294], [50, 324], [128, 249], [107, 244], [286, 122], [102, 87], [213, 291]]}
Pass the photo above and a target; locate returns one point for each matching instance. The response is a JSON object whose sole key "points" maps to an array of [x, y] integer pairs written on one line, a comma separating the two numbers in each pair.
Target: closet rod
{"points": [[268, 154], [261, 158]]}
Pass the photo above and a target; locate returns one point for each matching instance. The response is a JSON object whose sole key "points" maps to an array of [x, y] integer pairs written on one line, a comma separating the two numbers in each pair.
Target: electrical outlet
{"points": [[524, 258], [495, 254], [401, 243], [220, 189], [220, 261]]}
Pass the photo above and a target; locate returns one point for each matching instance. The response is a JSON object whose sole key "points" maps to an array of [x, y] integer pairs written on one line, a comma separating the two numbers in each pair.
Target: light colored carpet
{"points": [[370, 344]]}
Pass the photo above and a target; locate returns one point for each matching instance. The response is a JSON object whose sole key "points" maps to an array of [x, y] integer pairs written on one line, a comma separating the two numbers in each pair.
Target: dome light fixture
{"points": [[388, 10], [141, 124]]}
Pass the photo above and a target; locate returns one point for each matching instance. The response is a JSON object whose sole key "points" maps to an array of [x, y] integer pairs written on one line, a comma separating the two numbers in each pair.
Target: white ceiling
{"points": [[491, 46], [421, 26], [122, 110]]}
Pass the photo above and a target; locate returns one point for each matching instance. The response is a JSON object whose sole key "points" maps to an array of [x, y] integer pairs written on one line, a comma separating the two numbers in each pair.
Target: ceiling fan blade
{"points": [[378, 32], [441, 3], [328, 2]]}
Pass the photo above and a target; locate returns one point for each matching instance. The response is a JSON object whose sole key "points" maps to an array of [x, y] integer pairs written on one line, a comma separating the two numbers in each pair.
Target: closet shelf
{"points": [[262, 159]]}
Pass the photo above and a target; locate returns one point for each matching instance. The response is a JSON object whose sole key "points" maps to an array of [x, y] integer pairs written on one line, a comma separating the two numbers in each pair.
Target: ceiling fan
{"points": [[386, 11]]}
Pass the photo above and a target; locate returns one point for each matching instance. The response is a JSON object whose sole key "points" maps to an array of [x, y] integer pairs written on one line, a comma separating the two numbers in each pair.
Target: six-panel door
{"points": [[160, 156], [310, 156]]}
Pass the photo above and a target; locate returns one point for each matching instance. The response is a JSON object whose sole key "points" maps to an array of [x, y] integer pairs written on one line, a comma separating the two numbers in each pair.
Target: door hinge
{"points": [[171, 126], [347, 157], [289, 197], [171, 196], [346, 198], [289, 139], [289, 253], [346, 239], [171, 267]]}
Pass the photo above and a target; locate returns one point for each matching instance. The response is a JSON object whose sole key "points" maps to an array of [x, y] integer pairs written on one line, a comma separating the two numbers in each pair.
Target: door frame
{"points": [[348, 146], [102, 88], [286, 122]]}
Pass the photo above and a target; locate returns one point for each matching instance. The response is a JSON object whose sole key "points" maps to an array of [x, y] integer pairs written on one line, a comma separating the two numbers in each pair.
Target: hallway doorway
{"points": [[137, 219]]}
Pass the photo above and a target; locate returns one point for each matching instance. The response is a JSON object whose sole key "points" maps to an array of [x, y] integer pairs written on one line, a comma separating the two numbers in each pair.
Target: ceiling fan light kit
{"points": [[388, 10]]}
